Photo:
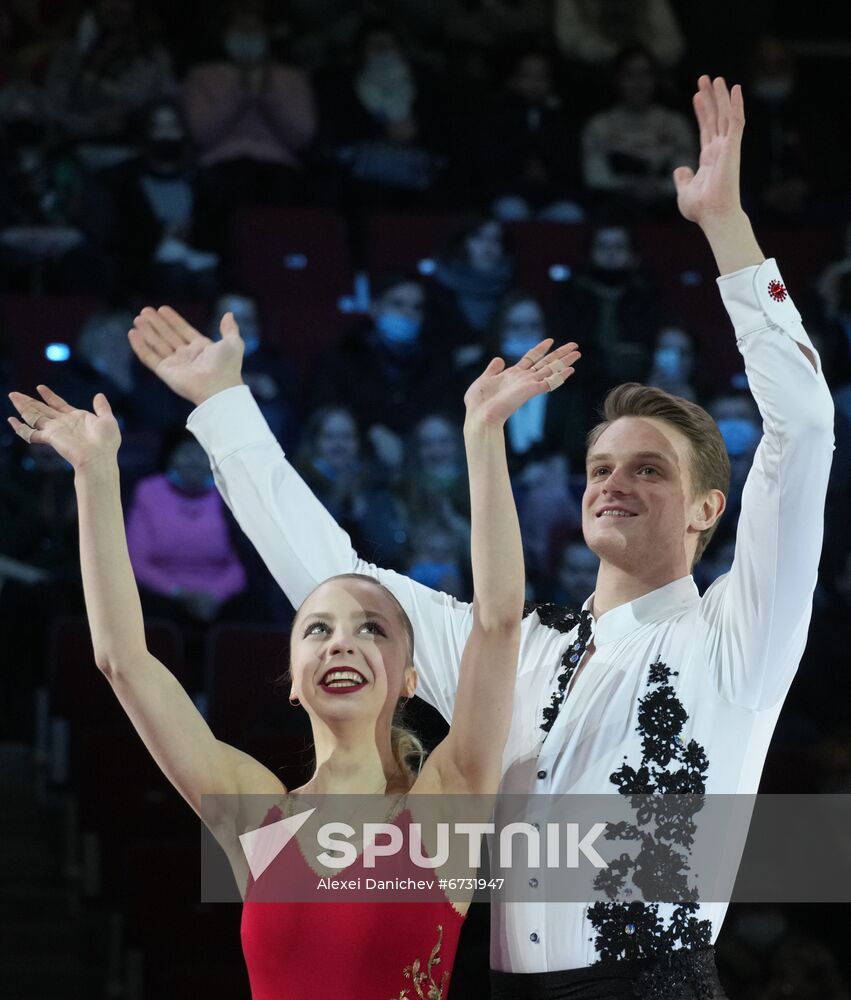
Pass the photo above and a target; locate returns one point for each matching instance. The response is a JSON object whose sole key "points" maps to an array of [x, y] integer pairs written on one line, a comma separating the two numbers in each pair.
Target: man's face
{"points": [[640, 465]]}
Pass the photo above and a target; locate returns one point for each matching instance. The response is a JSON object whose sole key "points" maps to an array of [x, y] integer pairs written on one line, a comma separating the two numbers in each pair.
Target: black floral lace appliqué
{"points": [[564, 620], [666, 789]]}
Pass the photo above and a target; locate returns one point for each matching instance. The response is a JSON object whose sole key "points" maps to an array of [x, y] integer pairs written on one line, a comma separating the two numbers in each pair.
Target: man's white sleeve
{"points": [[757, 615], [301, 543]]}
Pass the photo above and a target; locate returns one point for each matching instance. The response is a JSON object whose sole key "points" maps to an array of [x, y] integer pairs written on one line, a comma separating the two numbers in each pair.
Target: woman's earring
{"points": [[294, 701]]}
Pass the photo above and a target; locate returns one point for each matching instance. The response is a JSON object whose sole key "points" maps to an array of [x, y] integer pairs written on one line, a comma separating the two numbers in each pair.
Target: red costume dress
{"points": [[386, 949]]}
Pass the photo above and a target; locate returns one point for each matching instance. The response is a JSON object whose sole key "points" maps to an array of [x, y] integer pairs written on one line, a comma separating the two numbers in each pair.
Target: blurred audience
{"points": [[438, 558], [179, 537], [384, 370], [594, 31], [611, 309], [528, 146], [155, 198], [473, 274], [630, 150], [382, 133], [673, 364], [109, 66], [575, 573], [251, 119], [779, 158], [271, 378], [53, 225], [740, 424], [353, 489]]}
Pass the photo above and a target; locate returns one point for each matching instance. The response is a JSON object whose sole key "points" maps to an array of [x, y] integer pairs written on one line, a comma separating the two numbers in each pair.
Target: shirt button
{"points": [[542, 774], [533, 937], [533, 882]]}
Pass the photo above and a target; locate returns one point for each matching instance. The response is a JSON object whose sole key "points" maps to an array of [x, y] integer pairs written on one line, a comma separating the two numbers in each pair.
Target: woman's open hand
{"points": [[79, 436], [499, 391]]}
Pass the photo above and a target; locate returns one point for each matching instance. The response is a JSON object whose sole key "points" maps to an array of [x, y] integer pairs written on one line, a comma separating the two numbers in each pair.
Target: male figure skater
{"points": [[714, 669]]}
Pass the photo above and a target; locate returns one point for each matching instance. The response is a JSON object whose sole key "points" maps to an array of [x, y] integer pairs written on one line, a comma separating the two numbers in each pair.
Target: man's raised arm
{"points": [[758, 614], [295, 535]]}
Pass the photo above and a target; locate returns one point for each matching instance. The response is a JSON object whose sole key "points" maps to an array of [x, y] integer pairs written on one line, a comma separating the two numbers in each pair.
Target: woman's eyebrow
{"points": [[355, 615]]}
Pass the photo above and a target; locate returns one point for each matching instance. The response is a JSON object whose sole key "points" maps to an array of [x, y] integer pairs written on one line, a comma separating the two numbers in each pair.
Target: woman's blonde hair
{"points": [[408, 751]]}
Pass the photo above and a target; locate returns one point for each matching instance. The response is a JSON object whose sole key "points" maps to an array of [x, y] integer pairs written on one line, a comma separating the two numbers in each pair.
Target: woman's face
{"points": [[337, 441], [349, 654], [484, 247]]}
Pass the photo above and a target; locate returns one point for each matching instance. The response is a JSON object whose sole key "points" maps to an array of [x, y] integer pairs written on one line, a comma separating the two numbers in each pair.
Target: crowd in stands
{"points": [[133, 134]]}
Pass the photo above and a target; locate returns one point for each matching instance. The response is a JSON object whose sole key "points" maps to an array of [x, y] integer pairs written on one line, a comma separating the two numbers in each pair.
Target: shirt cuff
{"points": [[756, 298], [228, 421]]}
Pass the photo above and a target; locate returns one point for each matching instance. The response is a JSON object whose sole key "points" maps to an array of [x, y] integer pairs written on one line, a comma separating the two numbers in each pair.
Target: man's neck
{"points": [[617, 586]]}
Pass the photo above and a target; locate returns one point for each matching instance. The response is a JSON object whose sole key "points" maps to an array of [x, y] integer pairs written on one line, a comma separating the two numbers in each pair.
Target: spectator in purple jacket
{"points": [[179, 539]]}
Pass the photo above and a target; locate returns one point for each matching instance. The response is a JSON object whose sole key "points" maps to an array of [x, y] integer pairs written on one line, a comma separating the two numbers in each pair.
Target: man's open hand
{"points": [[189, 363], [713, 192]]}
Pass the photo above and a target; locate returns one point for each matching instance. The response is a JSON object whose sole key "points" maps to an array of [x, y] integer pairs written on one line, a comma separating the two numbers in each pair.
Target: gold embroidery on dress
{"points": [[425, 988]]}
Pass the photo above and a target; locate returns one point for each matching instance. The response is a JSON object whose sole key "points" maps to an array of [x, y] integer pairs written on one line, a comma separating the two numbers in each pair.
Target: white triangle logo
{"points": [[262, 846]]}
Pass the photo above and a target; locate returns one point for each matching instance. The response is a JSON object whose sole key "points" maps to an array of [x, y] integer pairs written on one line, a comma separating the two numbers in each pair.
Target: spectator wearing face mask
{"points": [[473, 274], [386, 371], [436, 559], [383, 126], [549, 424], [52, 224], [269, 375], [673, 365], [528, 148], [351, 488], [155, 198], [179, 538], [630, 150], [252, 120], [611, 309], [740, 425]]}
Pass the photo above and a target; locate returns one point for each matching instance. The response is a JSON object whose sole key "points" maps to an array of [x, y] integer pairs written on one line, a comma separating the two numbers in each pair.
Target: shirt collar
{"points": [[655, 606]]}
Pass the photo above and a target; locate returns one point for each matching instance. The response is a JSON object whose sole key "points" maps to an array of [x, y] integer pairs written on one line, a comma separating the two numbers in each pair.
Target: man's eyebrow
{"points": [[599, 457]]}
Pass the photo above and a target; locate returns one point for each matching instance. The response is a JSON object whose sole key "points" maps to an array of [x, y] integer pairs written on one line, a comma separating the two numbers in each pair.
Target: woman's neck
{"points": [[348, 760]]}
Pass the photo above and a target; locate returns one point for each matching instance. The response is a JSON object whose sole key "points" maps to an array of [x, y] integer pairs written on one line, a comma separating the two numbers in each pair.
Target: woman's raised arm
{"points": [[163, 714], [470, 757]]}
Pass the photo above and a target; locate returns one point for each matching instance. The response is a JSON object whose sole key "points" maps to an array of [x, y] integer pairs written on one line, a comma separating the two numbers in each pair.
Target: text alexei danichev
{"points": [[375, 883]]}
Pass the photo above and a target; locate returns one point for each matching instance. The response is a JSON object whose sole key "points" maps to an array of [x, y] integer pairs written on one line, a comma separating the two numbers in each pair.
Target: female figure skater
{"points": [[351, 663]]}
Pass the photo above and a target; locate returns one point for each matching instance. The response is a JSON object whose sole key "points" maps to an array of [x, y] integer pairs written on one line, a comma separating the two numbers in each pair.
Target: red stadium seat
{"points": [[398, 241], [29, 324], [291, 253]]}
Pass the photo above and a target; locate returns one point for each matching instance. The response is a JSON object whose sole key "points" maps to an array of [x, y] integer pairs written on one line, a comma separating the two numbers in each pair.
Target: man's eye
{"points": [[650, 467]]}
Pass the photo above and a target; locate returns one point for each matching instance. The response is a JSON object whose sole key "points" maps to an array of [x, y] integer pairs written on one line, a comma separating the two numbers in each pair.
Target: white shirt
{"points": [[734, 650]]}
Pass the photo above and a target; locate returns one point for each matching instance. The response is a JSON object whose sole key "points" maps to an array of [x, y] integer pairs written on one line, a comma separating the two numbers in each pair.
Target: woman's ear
{"points": [[410, 685]]}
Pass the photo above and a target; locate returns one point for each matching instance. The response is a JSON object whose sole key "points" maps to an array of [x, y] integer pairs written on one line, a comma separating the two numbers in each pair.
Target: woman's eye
{"points": [[310, 628], [373, 625], [650, 467]]}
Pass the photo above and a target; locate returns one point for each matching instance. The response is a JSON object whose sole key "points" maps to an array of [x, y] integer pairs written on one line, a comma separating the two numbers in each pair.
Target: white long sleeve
{"points": [[757, 615]]}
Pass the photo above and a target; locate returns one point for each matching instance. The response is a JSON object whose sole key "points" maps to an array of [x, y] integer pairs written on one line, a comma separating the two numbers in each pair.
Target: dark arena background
{"points": [[386, 195]]}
